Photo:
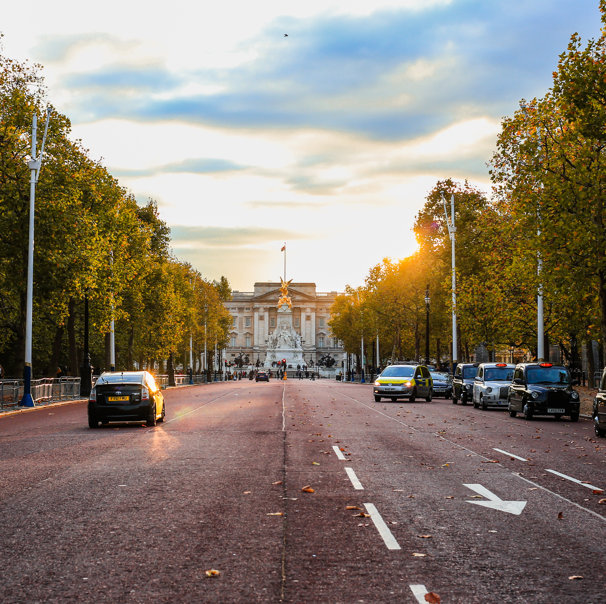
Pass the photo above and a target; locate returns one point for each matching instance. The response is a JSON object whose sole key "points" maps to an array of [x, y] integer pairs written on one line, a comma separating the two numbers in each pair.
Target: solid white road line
{"points": [[589, 486], [511, 454], [419, 592], [339, 454], [389, 539], [354, 479]]}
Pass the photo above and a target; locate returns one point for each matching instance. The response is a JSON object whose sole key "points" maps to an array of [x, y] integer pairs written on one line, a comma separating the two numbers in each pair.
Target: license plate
{"points": [[390, 389], [117, 399], [556, 410]]}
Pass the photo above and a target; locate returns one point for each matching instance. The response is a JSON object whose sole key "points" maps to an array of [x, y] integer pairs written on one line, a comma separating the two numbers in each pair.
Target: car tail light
{"points": [[93, 395], [144, 394], [546, 364], [501, 364]]}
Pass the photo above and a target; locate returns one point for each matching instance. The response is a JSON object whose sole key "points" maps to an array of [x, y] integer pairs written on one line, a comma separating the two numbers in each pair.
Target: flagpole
{"points": [[285, 261]]}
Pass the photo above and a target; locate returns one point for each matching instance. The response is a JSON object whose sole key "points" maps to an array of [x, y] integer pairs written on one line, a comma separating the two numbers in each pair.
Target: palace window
{"points": [[247, 322], [247, 342], [297, 322], [321, 342], [272, 322], [234, 321], [233, 342], [321, 322]]}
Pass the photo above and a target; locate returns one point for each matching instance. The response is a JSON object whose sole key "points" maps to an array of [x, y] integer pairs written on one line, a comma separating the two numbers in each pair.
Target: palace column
{"points": [[256, 327], [303, 324], [266, 329], [313, 327]]}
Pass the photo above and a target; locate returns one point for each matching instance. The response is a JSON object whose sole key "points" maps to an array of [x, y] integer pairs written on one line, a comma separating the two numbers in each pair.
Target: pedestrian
{"points": [[306, 374]]}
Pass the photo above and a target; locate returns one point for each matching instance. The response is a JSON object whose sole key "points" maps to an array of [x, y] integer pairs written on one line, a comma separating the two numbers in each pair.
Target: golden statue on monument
{"points": [[284, 298]]}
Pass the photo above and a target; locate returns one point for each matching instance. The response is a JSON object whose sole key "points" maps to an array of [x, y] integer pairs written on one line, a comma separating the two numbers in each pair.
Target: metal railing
{"points": [[44, 391]]}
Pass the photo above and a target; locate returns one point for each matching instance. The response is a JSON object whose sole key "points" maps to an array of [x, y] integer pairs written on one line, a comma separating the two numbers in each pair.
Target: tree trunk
{"points": [[56, 353], [108, 358], [438, 353], [171, 370], [131, 345], [417, 343], [71, 334]]}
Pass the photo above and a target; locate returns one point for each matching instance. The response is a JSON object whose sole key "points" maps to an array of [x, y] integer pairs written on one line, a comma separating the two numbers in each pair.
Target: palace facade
{"points": [[255, 316]]}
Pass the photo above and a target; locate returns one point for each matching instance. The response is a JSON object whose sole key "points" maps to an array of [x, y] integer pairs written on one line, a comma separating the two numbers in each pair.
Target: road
{"points": [[127, 513]]}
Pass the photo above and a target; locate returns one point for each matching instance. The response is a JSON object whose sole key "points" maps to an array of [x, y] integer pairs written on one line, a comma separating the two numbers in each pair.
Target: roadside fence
{"points": [[44, 391]]}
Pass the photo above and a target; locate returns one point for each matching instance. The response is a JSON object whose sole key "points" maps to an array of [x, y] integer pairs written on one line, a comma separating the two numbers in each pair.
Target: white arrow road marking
{"points": [[511, 455], [589, 486], [419, 592], [390, 540], [354, 479], [496, 503], [339, 454]]}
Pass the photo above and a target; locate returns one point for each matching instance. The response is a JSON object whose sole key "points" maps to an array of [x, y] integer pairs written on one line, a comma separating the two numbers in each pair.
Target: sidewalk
{"points": [[586, 395]]}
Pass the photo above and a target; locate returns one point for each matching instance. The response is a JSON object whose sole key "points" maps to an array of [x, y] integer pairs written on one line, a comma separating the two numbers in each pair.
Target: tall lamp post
{"points": [[34, 165], [86, 371], [427, 300], [452, 230]]}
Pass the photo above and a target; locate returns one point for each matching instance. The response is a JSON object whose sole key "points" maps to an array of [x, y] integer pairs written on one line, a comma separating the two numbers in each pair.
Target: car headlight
{"points": [[377, 383], [468, 386], [574, 396], [488, 390], [535, 395]]}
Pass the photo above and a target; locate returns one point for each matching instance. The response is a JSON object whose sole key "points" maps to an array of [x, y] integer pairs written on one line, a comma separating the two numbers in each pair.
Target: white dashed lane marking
{"points": [[354, 479], [390, 540], [511, 454], [339, 454], [585, 484], [419, 592]]}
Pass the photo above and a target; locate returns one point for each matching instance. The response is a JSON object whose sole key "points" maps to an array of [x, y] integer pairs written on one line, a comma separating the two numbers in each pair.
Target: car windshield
{"points": [[470, 372], [440, 377], [547, 375], [498, 374], [398, 372], [113, 378]]}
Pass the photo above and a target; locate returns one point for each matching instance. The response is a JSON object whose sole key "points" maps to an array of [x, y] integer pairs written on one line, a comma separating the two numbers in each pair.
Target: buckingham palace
{"points": [[255, 318]]}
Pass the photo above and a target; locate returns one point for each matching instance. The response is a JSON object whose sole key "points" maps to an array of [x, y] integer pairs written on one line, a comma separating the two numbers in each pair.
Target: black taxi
{"points": [[599, 408], [462, 382], [543, 389]]}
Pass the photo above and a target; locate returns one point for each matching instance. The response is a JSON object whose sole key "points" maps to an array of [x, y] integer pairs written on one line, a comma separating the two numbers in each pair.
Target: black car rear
{"points": [[124, 397]]}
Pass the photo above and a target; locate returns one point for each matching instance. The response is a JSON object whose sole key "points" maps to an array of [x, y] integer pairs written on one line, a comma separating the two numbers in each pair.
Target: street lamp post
{"points": [[452, 230], [86, 371], [34, 165], [427, 300]]}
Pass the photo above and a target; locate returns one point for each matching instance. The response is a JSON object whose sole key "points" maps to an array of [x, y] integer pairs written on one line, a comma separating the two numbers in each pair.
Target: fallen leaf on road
{"points": [[394, 522], [315, 463], [449, 497], [341, 449], [597, 491], [602, 501], [361, 515], [477, 497], [247, 492], [352, 507], [491, 461], [307, 489], [276, 514], [330, 436], [560, 516], [419, 555], [533, 489], [212, 573], [411, 496], [533, 450], [573, 577], [432, 598], [277, 482], [398, 490], [425, 536]]}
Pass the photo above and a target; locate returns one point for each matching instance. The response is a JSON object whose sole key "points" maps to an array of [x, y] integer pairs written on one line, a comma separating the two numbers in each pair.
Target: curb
{"points": [[30, 409]]}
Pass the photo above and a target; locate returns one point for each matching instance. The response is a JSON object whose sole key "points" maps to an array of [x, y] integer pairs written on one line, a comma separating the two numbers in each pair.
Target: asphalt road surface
{"points": [[470, 505]]}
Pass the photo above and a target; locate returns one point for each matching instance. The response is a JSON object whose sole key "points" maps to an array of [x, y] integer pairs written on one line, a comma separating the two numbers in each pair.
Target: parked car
{"points": [[599, 408], [462, 383], [128, 396], [404, 381], [262, 376], [442, 384], [491, 385], [543, 389]]}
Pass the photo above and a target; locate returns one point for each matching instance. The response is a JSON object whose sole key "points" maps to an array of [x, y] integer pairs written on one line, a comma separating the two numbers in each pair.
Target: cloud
{"points": [[191, 166], [193, 237]]}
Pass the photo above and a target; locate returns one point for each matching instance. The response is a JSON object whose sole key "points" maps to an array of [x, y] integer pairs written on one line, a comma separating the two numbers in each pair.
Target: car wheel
{"points": [[574, 417], [463, 400], [93, 422], [598, 431], [378, 399], [151, 418], [558, 416], [163, 413], [527, 413], [512, 412], [454, 400], [483, 404], [430, 396], [413, 396]]}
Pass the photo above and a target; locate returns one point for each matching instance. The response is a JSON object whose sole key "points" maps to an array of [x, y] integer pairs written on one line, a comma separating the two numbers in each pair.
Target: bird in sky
{"points": [[286, 35]]}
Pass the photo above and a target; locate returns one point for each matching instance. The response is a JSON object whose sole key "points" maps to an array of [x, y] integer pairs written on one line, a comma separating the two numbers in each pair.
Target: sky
{"points": [[328, 139]]}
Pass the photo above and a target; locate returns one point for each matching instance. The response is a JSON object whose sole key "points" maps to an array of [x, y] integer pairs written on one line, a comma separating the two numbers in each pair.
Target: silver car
{"points": [[491, 385]]}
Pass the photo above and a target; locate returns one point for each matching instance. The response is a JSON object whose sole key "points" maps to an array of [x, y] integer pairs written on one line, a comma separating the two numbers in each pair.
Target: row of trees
{"points": [[543, 229], [91, 239]]}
